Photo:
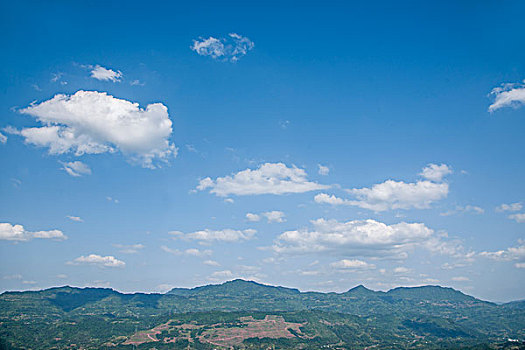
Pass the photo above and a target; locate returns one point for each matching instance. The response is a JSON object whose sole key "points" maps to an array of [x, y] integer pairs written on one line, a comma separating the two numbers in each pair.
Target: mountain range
{"points": [[415, 317]]}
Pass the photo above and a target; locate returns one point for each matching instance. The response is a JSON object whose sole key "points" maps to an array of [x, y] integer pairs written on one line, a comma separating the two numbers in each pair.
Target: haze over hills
{"points": [[405, 317]]}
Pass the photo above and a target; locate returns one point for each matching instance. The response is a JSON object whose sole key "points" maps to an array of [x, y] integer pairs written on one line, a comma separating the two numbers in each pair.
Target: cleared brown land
{"points": [[271, 327], [220, 335]]}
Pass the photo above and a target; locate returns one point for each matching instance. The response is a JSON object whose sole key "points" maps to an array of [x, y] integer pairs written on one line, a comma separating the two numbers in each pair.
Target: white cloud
{"points": [[252, 217], [222, 274], [509, 254], [284, 124], [191, 148], [16, 276], [508, 95], [512, 207], [230, 48], [354, 238], [464, 209], [430, 280], [324, 198], [353, 264], [207, 235], [95, 122], [509, 207], [10, 232], [101, 261], [129, 248], [76, 168], [55, 77], [106, 74], [269, 178], [3, 138], [460, 279], [449, 266], [209, 47], [75, 218], [197, 252], [401, 270], [190, 251], [392, 194], [170, 250], [111, 199], [520, 265], [323, 170], [136, 82], [399, 195], [518, 217], [271, 216], [211, 263], [434, 172], [367, 238], [274, 216]]}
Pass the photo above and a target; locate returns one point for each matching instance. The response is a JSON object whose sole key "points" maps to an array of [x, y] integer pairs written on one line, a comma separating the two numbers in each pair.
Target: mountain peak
{"points": [[360, 290]]}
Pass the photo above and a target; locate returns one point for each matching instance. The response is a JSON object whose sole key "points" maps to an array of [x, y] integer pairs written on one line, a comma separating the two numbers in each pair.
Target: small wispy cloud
{"points": [[323, 170], [284, 124], [353, 264], [136, 82], [57, 78], [105, 74], [224, 235], [191, 251], [509, 207], [271, 216], [472, 209], [508, 95], [113, 200], [97, 260], [129, 248], [518, 217], [211, 263], [230, 48], [74, 218], [76, 168]]}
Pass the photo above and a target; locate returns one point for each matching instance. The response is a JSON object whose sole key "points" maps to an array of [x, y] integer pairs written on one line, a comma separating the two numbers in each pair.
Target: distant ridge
{"points": [[243, 287], [434, 293], [237, 285]]}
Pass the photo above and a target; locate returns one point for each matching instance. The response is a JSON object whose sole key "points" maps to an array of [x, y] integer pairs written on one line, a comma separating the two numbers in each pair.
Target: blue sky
{"points": [[313, 145]]}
